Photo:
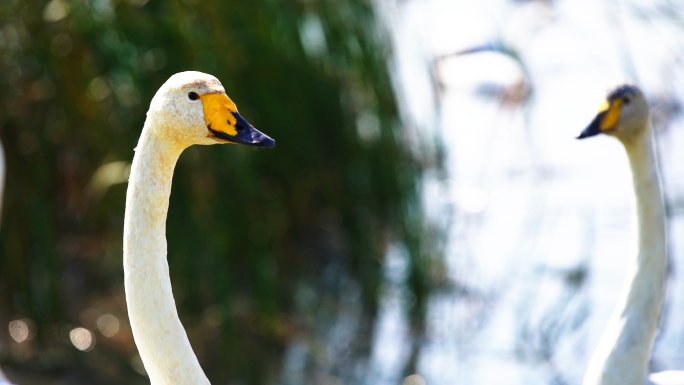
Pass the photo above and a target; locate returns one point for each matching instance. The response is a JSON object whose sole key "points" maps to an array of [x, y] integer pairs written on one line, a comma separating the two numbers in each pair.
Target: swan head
{"points": [[624, 114], [193, 108]]}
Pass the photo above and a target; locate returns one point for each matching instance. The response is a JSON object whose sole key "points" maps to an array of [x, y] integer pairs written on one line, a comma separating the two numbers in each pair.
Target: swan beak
{"points": [[227, 126], [606, 120]]}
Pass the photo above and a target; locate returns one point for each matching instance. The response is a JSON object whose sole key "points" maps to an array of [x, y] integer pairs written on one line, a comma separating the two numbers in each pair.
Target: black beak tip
{"points": [[262, 140], [268, 143], [593, 129]]}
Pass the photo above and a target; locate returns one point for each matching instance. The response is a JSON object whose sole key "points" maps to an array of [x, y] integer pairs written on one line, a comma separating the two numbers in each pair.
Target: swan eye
{"points": [[193, 96], [627, 100]]}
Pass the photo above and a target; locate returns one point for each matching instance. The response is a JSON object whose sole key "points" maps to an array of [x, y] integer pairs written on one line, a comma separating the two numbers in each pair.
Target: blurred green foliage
{"points": [[265, 247]]}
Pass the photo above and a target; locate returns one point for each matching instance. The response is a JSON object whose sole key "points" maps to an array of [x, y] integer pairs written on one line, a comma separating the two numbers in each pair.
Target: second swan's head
{"points": [[624, 114], [193, 108]]}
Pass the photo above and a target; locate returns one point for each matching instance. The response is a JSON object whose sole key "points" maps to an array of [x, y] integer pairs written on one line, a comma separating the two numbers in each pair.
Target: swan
{"points": [[190, 108], [624, 349]]}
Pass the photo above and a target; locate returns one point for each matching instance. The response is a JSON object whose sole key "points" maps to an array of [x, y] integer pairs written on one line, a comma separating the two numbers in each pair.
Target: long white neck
{"points": [[158, 333], [624, 349]]}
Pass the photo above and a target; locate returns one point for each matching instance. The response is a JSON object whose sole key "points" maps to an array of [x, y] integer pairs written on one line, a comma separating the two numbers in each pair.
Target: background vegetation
{"points": [[267, 249]]}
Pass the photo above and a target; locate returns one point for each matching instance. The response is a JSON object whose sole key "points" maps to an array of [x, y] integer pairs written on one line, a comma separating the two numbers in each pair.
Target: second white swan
{"points": [[624, 349]]}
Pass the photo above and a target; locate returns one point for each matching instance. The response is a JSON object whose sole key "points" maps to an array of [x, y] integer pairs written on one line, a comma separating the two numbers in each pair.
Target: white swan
{"points": [[624, 349], [190, 108]]}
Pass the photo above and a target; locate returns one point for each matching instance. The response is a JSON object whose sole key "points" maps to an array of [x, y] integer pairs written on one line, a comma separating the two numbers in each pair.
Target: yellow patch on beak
{"points": [[612, 117], [218, 113]]}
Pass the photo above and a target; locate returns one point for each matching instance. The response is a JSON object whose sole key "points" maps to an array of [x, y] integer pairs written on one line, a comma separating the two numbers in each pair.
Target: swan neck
{"points": [[159, 335], [649, 209], [624, 349]]}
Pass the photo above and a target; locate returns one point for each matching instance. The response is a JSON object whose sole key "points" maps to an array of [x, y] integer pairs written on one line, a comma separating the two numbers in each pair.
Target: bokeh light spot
{"points": [[414, 379], [61, 45], [19, 330], [108, 325], [55, 10], [82, 339], [98, 89]]}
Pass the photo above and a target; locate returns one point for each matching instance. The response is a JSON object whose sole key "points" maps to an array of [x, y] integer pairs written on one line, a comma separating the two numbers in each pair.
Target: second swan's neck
{"points": [[624, 349], [159, 335]]}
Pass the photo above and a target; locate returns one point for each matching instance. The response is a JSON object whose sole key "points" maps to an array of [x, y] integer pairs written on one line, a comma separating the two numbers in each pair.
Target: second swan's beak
{"points": [[606, 119], [227, 126]]}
